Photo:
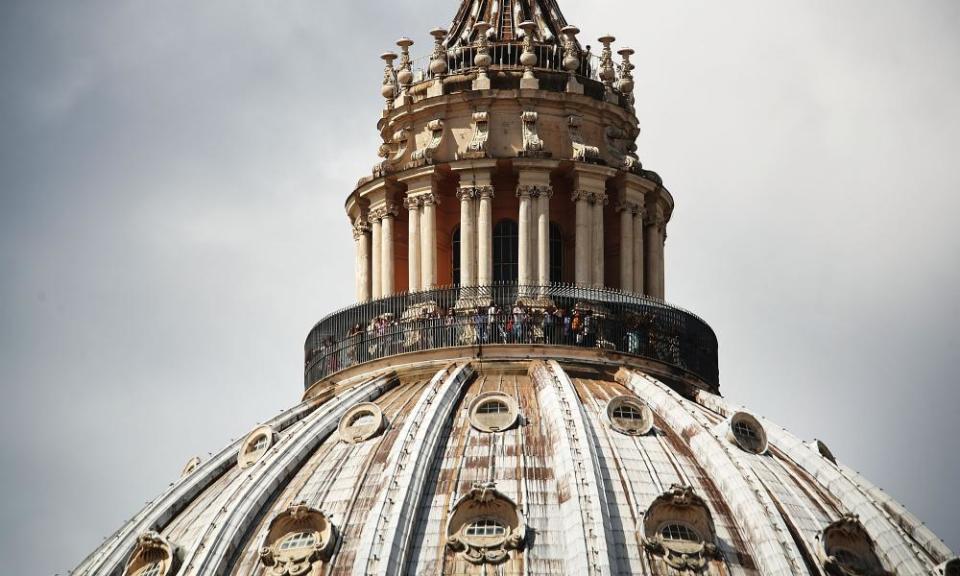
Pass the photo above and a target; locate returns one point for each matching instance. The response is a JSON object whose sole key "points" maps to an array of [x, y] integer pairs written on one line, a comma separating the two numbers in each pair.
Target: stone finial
{"points": [[571, 54], [608, 72], [481, 58], [571, 58], [438, 60], [405, 75], [528, 58], [389, 88], [626, 72]]}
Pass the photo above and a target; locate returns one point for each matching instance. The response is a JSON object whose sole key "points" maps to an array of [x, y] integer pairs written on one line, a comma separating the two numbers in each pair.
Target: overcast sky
{"points": [[172, 176]]}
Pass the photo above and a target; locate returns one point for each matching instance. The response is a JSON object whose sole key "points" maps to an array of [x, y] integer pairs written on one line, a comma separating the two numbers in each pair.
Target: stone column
{"points": [[526, 196], [387, 276], [413, 244], [599, 201], [485, 236], [428, 238], [626, 246], [654, 252], [543, 237], [376, 268], [584, 237], [361, 235], [468, 252], [639, 214]]}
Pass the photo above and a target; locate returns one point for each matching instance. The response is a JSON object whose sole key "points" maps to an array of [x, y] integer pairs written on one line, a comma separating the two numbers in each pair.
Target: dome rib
{"points": [[505, 27], [775, 553], [385, 541], [214, 553], [855, 496]]}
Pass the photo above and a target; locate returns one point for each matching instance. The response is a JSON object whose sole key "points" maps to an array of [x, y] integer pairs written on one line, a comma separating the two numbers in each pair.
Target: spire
{"points": [[505, 18]]}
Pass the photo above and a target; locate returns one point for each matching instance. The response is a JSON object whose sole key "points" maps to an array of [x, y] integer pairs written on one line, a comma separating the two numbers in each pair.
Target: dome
{"points": [[511, 394], [557, 487]]}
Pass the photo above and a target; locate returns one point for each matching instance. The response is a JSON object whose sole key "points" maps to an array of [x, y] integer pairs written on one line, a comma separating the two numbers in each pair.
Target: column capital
{"points": [[473, 192], [388, 210], [631, 207], [599, 198], [534, 191], [580, 196], [360, 229], [412, 203], [429, 199], [656, 216]]}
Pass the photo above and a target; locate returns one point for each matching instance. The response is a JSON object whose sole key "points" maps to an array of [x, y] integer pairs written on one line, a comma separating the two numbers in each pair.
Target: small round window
{"points": [[748, 433], [256, 445], [493, 412], [628, 415], [361, 423]]}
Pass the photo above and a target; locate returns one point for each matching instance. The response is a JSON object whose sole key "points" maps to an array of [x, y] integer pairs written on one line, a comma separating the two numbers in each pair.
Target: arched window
{"points": [[556, 254], [299, 541], [506, 251], [150, 570], [455, 244]]}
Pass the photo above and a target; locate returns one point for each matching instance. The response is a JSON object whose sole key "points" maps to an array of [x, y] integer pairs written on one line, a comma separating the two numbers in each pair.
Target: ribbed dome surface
{"points": [[562, 484]]}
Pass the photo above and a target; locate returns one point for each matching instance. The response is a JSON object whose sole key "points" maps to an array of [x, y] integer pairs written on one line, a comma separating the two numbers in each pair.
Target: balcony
{"points": [[556, 315]]}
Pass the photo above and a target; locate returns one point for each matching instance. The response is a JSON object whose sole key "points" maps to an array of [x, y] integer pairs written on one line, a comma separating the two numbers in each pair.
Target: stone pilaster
{"points": [[468, 236], [413, 206], [485, 236], [428, 239], [626, 245], [361, 236], [599, 201]]}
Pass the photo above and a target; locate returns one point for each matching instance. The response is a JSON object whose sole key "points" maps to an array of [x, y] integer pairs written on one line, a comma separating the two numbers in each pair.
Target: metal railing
{"points": [[506, 56], [555, 315]]}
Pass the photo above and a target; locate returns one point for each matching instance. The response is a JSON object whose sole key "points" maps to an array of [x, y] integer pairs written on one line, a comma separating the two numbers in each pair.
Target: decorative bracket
{"points": [[533, 146], [481, 135], [581, 151], [424, 156]]}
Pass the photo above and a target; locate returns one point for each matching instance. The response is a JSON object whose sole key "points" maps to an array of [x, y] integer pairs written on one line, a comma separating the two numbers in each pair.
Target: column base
{"points": [[482, 82], [435, 89], [529, 84]]}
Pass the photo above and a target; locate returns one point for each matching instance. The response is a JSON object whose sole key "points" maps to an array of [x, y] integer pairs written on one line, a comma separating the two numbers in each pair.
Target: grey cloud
{"points": [[172, 176]]}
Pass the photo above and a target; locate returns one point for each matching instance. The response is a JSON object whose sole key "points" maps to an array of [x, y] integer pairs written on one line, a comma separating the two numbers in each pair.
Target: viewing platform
{"points": [[488, 317]]}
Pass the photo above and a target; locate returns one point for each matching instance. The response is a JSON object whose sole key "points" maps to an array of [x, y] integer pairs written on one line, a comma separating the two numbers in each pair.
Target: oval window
{"points": [[493, 412], [748, 433], [628, 415]]}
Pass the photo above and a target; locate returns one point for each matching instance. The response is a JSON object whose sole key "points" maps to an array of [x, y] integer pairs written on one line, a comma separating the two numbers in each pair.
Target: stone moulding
{"points": [[681, 506], [483, 503], [297, 519], [153, 549], [846, 549]]}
